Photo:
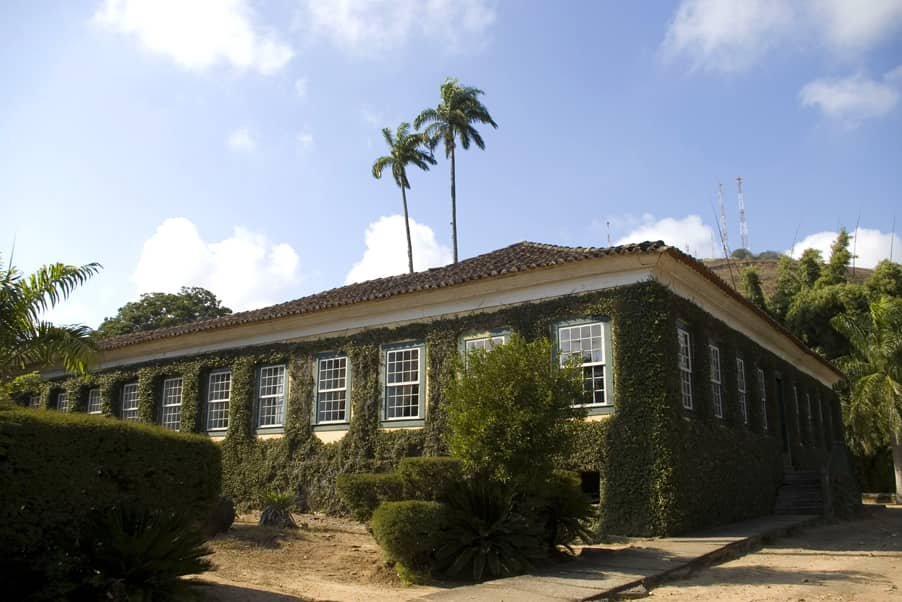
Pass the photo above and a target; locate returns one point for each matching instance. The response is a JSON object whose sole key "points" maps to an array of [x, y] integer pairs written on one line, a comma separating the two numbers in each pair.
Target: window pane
{"points": [[170, 416], [94, 401], [218, 393], [331, 397], [62, 402], [130, 402], [271, 396], [402, 391]]}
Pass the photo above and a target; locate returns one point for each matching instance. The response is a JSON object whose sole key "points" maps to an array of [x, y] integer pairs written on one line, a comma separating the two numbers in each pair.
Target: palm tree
{"points": [[25, 338], [405, 148], [451, 120], [874, 371]]}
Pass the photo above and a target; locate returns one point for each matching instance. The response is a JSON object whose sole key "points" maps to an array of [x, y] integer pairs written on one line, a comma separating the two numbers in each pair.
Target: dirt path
{"points": [[857, 560]]}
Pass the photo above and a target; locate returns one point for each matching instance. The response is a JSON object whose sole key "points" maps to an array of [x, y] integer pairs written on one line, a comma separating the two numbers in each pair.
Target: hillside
{"points": [[767, 269]]}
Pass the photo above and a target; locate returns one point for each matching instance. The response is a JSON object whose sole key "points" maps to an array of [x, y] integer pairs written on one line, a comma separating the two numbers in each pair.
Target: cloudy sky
{"points": [[228, 143]]}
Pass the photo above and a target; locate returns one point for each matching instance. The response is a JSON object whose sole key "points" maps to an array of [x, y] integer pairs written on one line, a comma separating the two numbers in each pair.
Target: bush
{"points": [[485, 533], [408, 533], [429, 478], [563, 510], [221, 518], [277, 510], [362, 492], [55, 469], [133, 554]]}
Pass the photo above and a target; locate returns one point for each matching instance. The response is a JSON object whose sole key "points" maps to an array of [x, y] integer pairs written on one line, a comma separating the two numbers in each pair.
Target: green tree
{"points": [[511, 412], [812, 309], [811, 265], [406, 148], [751, 288], [787, 287], [837, 269], [157, 310], [886, 281], [452, 120], [742, 254], [26, 339], [873, 412]]}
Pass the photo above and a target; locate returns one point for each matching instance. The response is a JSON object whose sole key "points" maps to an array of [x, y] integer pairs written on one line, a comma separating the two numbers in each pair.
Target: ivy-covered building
{"points": [[697, 401]]}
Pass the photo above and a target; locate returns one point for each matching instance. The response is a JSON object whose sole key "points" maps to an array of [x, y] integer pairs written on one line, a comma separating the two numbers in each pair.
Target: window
{"points": [[795, 401], [34, 401], [332, 389], [219, 390], [94, 401], [585, 342], [403, 382], [171, 408], [486, 343], [685, 361], [810, 418], [762, 396], [271, 396], [716, 381], [62, 401], [740, 389], [130, 401]]}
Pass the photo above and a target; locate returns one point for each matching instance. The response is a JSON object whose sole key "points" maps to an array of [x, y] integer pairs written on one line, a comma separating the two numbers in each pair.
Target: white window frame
{"points": [[167, 404], [387, 357], [762, 393], [591, 365], [485, 342], [130, 394], [95, 404], [684, 361], [225, 401], [326, 362], [278, 398], [741, 390], [716, 378], [34, 401], [62, 402]]}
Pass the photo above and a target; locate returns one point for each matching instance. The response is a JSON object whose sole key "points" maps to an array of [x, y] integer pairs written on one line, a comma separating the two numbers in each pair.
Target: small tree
{"points": [[512, 411], [811, 264], [836, 270], [788, 286], [886, 281], [157, 310], [751, 288]]}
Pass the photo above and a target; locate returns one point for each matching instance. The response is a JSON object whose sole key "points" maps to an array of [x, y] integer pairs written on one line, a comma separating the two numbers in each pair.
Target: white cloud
{"points": [[386, 250], [305, 139], [199, 34], [241, 141], [853, 98], [245, 270], [374, 26], [730, 36], [690, 233], [871, 247], [301, 87]]}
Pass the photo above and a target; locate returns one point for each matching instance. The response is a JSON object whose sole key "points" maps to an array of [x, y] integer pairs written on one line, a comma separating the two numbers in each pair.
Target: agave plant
{"points": [[486, 535], [277, 510]]}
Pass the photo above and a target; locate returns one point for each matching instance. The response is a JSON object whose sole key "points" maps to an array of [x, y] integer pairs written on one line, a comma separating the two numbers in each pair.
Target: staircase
{"points": [[800, 493]]}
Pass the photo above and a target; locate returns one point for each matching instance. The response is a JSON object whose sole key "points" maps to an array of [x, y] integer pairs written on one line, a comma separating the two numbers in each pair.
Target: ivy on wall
{"points": [[663, 470]]}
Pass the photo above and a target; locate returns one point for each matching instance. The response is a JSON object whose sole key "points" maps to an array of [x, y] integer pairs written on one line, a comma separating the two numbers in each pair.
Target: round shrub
{"points": [[408, 533], [362, 492], [429, 477], [221, 518]]}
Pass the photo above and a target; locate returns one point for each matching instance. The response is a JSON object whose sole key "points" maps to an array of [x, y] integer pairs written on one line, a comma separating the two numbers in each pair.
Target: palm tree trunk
{"points": [[896, 445], [407, 228], [453, 208]]}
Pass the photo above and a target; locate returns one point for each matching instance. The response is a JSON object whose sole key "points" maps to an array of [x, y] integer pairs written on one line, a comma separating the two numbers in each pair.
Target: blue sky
{"points": [[228, 144]]}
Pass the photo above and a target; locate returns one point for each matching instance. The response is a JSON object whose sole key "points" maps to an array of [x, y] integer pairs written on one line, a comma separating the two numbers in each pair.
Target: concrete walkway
{"points": [[602, 572]]}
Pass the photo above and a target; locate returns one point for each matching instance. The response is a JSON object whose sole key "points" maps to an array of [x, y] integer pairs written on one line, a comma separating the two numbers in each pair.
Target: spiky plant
{"points": [[277, 510], [405, 148], [452, 121]]}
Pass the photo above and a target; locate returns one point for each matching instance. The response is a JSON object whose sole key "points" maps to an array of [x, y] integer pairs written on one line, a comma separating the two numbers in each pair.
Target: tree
{"points": [[751, 288], [811, 264], [511, 412], [451, 120], [742, 254], [886, 280], [26, 339], [873, 412], [406, 148], [788, 286], [157, 310], [812, 309], [837, 269]]}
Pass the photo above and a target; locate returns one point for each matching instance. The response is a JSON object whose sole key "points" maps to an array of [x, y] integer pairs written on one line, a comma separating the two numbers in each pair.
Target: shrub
{"points": [[429, 478], [563, 510], [277, 510], [485, 534], [511, 412], [221, 518], [56, 468], [132, 554], [362, 492], [408, 533]]}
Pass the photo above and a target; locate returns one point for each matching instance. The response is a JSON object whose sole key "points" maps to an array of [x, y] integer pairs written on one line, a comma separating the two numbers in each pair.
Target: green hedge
{"points": [[429, 478], [408, 533], [363, 492], [58, 469]]}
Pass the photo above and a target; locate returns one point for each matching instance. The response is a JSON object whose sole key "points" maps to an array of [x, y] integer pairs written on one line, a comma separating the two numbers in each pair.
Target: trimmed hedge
{"points": [[429, 478], [363, 492], [408, 533], [58, 469]]}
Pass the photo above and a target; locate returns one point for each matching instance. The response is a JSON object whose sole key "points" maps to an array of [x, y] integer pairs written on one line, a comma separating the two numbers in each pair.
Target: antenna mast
{"points": [[724, 242], [743, 225]]}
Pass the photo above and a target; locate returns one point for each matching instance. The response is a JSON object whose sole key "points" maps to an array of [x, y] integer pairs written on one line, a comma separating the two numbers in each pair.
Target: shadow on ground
{"points": [[221, 592], [261, 537]]}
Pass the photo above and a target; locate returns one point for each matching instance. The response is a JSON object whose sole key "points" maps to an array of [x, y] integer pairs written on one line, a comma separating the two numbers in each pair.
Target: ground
{"points": [[855, 560]]}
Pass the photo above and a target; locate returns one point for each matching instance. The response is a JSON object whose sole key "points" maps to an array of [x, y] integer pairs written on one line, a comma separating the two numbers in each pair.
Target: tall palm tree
{"points": [[453, 120], [874, 371], [25, 338], [406, 148]]}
